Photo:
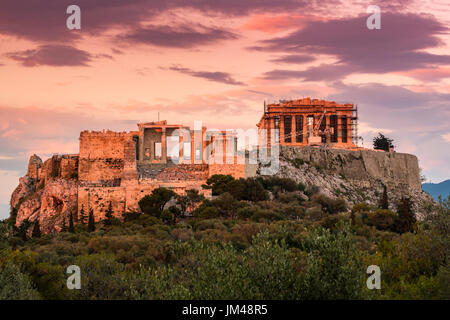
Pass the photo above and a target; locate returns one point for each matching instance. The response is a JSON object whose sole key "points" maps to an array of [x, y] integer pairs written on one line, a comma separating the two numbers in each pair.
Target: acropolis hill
{"points": [[317, 143]]}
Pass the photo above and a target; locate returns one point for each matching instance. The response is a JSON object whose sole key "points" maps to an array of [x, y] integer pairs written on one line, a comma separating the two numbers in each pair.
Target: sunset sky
{"points": [[218, 61]]}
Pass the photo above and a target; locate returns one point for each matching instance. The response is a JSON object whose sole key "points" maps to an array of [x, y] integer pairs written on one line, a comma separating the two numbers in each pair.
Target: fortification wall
{"points": [[102, 155], [98, 199], [236, 170], [391, 168]]}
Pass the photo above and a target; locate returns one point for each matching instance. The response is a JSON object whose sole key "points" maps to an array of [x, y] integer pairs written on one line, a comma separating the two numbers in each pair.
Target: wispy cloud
{"points": [[216, 76], [177, 36], [52, 55]]}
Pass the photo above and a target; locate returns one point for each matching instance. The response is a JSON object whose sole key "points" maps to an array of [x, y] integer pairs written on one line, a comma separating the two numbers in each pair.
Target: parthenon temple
{"points": [[310, 122]]}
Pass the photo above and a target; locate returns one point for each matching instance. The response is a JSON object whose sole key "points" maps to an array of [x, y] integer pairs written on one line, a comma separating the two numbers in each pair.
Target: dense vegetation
{"points": [[259, 238]]}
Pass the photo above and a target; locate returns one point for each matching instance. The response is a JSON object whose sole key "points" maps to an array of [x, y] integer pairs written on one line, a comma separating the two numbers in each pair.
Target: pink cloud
{"points": [[432, 74], [276, 23]]}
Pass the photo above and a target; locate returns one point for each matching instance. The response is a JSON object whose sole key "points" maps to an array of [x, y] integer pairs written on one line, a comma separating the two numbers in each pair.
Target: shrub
{"points": [[207, 213], [382, 219], [182, 234], [167, 216], [14, 285], [331, 206], [246, 212], [226, 204], [265, 215]]}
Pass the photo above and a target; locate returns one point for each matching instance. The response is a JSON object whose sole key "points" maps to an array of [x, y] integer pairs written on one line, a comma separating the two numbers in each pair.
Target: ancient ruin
{"points": [[120, 168], [311, 122]]}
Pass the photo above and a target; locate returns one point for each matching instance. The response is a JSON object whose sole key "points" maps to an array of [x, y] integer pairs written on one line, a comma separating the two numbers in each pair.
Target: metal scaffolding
{"points": [[354, 125]]}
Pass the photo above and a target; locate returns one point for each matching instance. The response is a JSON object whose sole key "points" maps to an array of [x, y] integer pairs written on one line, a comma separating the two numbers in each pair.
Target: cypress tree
{"points": [[64, 226], [91, 221], [71, 228], [109, 215], [406, 218], [36, 233], [23, 229], [82, 215], [384, 201]]}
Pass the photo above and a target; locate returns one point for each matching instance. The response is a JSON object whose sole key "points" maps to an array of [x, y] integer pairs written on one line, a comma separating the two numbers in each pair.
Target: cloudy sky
{"points": [[217, 61]]}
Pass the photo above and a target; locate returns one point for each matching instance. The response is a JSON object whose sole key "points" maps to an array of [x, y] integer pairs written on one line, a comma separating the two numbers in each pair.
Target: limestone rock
{"points": [[356, 176]]}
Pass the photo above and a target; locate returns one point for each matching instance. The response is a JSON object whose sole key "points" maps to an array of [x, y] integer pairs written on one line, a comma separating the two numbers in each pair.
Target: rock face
{"points": [[46, 193], [356, 176]]}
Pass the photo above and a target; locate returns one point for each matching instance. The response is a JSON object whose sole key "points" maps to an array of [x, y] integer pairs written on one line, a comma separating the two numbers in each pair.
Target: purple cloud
{"points": [[52, 55], [330, 72], [40, 20], [294, 59], [222, 77], [177, 37], [397, 46]]}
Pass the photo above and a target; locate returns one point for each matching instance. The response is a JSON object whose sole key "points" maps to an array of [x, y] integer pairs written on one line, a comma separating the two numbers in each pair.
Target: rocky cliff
{"points": [[356, 175], [48, 192]]}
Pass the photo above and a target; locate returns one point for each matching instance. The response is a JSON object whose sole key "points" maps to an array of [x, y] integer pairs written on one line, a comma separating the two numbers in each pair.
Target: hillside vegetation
{"points": [[258, 238]]}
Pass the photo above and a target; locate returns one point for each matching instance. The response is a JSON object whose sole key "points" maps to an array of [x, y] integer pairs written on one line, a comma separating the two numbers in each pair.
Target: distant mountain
{"points": [[436, 189]]}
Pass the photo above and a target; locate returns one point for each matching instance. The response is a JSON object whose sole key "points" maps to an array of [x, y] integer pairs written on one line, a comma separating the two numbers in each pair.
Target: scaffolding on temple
{"points": [[354, 125]]}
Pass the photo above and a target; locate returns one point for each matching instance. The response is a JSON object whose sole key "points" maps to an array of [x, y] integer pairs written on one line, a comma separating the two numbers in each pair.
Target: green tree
{"points": [[64, 226], [71, 227], [36, 233], [91, 221], [82, 215], [255, 190], [188, 202], [109, 215], [219, 183], [406, 218], [154, 204], [167, 216], [384, 201], [381, 142], [23, 229]]}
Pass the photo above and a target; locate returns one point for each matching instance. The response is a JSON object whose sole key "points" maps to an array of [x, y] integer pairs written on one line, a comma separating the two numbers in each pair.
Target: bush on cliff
{"points": [[331, 206]]}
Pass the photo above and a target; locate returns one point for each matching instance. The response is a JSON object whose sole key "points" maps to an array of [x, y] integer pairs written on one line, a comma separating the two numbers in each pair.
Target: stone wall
{"points": [[236, 170], [98, 199], [391, 168], [102, 155]]}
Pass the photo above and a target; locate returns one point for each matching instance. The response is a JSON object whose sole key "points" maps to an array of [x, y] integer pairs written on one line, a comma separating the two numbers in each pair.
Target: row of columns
{"points": [[271, 125], [196, 140]]}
